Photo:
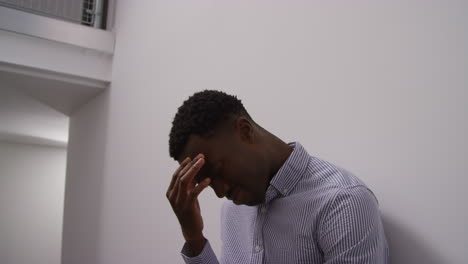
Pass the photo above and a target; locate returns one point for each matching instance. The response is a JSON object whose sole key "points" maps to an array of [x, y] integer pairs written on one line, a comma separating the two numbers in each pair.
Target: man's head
{"points": [[218, 126]]}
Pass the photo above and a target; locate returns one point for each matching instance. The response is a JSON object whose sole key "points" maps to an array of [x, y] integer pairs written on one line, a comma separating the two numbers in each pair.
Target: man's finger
{"points": [[185, 180], [184, 166], [190, 164], [172, 194], [200, 187], [189, 176], [176, 174]]}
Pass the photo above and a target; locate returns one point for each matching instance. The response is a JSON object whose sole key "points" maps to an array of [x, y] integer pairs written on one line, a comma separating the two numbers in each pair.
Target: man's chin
{"points": [[237, 202], [248, 203]]}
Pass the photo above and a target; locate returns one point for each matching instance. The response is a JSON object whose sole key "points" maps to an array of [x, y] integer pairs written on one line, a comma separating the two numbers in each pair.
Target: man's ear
{"points": [[245, 129]]}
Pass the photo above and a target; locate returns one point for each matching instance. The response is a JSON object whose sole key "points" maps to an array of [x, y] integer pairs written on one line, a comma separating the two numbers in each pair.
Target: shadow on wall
{"points": [[405, 245]]}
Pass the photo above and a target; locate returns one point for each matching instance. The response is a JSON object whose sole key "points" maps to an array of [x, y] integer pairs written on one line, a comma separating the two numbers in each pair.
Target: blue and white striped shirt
{"points": [[314, 212]]}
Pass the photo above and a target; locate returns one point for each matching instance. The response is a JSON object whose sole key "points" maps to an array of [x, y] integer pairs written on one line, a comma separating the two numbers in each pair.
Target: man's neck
{"points": [[279, 153]]}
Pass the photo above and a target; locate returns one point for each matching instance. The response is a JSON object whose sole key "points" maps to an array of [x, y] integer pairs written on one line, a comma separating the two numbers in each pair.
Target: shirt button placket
{"points": [[258, 252], [258, 248]]}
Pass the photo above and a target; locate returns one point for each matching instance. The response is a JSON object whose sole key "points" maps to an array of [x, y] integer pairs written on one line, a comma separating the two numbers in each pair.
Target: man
{"points": [[284, 206]]}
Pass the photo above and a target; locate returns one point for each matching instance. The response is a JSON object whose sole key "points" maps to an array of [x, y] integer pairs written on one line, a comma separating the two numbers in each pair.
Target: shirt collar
{"points": [[289, 174]]}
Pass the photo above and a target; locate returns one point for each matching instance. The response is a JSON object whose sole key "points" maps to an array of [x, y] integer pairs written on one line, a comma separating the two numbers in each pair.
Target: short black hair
{"points": [[201, 114]]}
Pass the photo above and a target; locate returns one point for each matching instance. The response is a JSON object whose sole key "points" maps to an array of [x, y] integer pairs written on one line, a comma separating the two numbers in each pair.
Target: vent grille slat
{"points": [[85, 12]]}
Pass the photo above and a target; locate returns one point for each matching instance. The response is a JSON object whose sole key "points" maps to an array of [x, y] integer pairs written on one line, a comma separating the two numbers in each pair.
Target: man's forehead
{"points": [[195, 145]]}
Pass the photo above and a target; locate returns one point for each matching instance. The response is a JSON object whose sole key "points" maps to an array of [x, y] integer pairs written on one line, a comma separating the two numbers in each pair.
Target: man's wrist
{"points": [[195, 245]]}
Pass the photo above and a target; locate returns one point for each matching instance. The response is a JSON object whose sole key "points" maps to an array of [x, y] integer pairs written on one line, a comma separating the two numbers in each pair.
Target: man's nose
{"points": [[219, 188]]}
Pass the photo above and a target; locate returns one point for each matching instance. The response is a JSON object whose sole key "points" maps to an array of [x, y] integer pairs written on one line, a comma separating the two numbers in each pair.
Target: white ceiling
{"points": [[25, 119]]}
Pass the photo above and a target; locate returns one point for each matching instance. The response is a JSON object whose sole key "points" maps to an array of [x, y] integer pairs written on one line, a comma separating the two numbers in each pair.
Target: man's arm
{"points": [[182, 194], [352, 231]]}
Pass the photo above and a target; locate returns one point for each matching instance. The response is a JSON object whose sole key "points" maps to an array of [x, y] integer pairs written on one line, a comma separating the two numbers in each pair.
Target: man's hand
{"points": [[183, 195]]}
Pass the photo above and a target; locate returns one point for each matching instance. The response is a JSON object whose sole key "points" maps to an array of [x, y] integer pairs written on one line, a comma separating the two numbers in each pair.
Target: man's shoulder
{"points": [[324, 173], [323, 180]]}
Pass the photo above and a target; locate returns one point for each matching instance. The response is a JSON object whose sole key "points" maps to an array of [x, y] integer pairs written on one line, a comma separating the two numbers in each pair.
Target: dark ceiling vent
{"points": [[86, 12]]}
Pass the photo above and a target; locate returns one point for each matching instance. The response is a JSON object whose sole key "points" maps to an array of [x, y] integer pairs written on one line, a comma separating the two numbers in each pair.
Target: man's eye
{"points": [[208, 171], [202, 174], [200, 177]]}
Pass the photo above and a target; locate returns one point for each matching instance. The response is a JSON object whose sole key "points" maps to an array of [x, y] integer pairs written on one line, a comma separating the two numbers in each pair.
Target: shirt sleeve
{"points": [[207, 256], [352, 230]]}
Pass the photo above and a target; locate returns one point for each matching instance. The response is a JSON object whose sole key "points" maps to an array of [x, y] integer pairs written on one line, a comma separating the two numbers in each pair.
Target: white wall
{"points": [[377, 88], [32, 181], [26, 117]]}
